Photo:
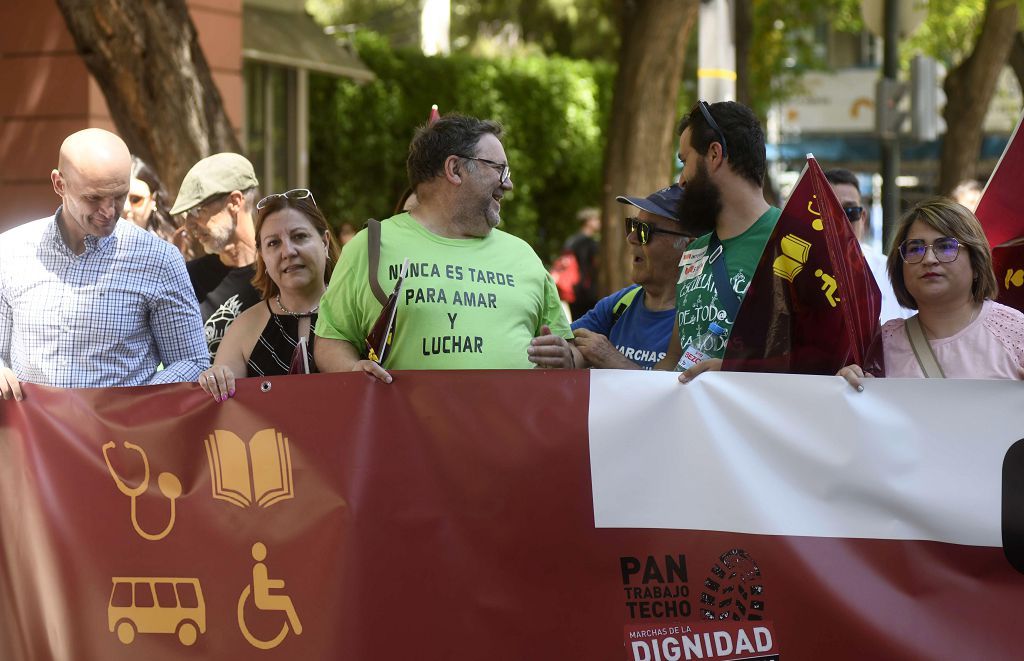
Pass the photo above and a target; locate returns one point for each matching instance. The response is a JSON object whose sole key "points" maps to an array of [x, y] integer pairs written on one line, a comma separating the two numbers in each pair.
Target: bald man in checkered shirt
{"points": [[87, 299]]}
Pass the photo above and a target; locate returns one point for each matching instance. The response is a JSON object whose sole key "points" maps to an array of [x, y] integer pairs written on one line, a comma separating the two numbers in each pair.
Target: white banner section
{"points": [[907, 459]]}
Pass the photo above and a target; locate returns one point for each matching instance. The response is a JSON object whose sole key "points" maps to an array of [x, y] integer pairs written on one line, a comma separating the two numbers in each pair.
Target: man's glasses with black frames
{"points": [[502, 168], [706, 111]]}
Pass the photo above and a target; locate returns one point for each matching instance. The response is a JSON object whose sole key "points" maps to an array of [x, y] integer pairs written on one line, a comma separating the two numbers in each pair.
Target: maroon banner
{"points": [[999, 208], [445, 516], [812, 305]]}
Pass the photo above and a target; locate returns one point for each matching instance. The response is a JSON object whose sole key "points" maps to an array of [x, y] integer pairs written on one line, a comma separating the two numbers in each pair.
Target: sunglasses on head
{"points": [[293, 194], [945, 249], [854, 213], [644, 231], [706, 111]]}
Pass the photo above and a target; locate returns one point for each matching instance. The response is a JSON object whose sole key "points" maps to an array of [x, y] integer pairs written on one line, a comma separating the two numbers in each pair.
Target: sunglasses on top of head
{"points": [[293, 194], [705, 110]]}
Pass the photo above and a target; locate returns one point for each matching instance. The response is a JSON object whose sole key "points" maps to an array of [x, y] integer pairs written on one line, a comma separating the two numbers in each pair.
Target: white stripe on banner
{"points": [[907, 459]]}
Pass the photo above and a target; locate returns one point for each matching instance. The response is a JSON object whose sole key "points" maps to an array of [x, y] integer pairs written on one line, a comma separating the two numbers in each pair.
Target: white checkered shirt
{"points": [[107, 317]]}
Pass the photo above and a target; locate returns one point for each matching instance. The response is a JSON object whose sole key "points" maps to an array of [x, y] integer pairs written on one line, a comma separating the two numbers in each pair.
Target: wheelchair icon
{"points": [[259, 590]]}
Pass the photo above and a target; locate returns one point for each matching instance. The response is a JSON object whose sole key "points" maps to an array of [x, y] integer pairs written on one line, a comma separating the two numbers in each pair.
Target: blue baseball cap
{"points": [[664, 203]]}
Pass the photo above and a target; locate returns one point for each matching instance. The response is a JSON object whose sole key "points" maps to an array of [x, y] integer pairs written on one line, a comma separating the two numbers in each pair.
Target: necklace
{"points": [[295, 314]]}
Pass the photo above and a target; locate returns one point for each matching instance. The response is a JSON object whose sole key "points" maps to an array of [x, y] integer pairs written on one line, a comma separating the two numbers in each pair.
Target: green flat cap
{"points": [[214, 175]]}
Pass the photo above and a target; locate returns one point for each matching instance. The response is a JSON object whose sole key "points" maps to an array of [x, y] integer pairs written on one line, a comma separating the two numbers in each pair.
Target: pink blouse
{"points": [[990, 347]]}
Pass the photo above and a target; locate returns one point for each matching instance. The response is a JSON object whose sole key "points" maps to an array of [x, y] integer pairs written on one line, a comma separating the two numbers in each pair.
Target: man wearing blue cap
{"points": [[631, 328]]}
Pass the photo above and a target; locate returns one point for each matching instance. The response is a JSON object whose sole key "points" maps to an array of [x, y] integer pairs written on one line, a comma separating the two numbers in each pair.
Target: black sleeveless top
{"points": [[272, 355]]}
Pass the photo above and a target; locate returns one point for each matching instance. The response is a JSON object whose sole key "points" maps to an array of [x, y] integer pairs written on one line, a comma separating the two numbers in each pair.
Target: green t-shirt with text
{"points": [[465, 304], [697, 303]]}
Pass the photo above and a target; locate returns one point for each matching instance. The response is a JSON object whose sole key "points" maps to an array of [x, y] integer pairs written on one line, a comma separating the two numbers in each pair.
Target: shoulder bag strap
{"points": [[726, 295], [922, 350], [373, 254], [623, 304]]}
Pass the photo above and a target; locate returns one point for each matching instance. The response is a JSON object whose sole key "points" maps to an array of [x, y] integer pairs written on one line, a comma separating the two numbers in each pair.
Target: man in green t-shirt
{"points": [[722, 150], [474, 297]]}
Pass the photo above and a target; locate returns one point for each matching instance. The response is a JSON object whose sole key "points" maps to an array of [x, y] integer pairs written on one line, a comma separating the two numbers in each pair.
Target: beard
{"points": [[701, 203]]}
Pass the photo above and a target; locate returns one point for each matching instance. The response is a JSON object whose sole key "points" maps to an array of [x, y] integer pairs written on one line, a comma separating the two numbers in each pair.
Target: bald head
{"points": [[92, 177], [93, 152]]}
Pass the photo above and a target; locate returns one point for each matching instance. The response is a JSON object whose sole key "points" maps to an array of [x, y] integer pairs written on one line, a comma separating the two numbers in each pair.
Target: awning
{"points": [[293, 39]]}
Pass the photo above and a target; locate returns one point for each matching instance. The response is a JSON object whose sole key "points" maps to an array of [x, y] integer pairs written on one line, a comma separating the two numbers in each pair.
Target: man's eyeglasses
{"points": [[195, 213], [644, 231], [502, 168], [293, 194], [706, 111], [853, 213], [945, 249]]}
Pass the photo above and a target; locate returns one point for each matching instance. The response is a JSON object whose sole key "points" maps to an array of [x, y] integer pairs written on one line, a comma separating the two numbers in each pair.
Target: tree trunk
{"points": [[1016, 61], [148, 63], [969, 89], [641, 135], [743, 33]]}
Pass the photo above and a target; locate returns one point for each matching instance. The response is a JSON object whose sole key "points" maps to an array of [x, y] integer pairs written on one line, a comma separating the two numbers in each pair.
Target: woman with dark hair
{"points": [[145, 207], [941, 266], [295, 255]]}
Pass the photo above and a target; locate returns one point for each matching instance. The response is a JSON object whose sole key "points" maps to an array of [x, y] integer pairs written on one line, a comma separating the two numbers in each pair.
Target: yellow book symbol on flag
{"points": [[259, 471], [794, 253]]}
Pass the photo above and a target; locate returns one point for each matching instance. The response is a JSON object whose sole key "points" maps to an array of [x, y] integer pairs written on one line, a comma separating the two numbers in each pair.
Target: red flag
{"points": [[812, 305], [434, 115], [378, 342], [1001, 217]]}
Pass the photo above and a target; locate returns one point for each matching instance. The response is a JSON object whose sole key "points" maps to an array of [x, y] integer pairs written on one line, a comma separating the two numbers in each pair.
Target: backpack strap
{"points": [[373, 261], [623, 304], [720, 275], [922, 350]]}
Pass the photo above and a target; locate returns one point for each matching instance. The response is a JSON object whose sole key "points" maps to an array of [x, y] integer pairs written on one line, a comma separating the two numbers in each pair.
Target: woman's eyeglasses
{"points": [[706, 111], [293, 194], [945, 249], [644, 231]]}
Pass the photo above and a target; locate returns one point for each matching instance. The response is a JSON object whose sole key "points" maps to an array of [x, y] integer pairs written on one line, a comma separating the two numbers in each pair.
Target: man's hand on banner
{"points": [[853, 374], [10, 387], [599, 352], [552, 351], [373, 369], [709, 365]]}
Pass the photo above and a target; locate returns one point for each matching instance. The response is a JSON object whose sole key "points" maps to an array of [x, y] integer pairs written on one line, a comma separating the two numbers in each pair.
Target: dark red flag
{"points": [[378, 341], [812, 305], [1003, 220]]}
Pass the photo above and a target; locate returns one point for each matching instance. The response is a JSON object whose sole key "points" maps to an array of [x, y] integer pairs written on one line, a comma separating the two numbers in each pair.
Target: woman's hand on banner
{"points": [[219, 381], [853, 374]]}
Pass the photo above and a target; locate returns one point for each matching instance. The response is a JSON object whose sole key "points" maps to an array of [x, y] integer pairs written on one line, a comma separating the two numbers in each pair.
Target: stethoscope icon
{"points": [[169, 484]]}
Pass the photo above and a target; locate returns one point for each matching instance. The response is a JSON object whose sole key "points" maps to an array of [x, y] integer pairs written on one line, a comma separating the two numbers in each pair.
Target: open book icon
{"points": [[259, 471]]}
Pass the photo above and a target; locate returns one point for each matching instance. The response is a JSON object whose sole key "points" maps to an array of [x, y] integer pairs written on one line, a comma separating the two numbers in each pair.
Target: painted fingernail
{"points": [[860, 388], [232, 392]]}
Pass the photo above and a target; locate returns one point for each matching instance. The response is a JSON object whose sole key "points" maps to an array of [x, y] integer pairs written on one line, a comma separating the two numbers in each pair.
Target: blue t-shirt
{"points": [[640, 334]]}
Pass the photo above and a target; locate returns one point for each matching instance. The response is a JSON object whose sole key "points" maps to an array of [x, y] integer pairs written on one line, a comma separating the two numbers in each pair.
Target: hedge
{"points": [[554, 111]]}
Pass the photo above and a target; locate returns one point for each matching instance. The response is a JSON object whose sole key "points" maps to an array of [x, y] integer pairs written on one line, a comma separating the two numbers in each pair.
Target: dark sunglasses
{"points": [[853, 213], [706, 111], [945, 249], [644, 231], [293, 194]]}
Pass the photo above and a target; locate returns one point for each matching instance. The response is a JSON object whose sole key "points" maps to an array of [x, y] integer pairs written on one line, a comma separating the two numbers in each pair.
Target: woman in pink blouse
{"points": [[941, 266]]}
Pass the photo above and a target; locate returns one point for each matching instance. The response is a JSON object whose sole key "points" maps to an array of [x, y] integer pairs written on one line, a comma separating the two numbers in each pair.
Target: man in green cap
{"points": [[218, 197]]}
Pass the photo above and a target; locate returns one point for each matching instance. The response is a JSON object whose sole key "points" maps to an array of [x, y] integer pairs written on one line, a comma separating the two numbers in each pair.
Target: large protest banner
{"points": [[514, 515]]}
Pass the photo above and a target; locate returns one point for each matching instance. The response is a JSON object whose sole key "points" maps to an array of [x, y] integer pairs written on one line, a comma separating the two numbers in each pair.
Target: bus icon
{"points": [[156, 605]]}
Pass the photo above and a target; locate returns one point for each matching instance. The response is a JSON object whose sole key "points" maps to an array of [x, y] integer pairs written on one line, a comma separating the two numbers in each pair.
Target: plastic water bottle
{"points": [[701, 348]]}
